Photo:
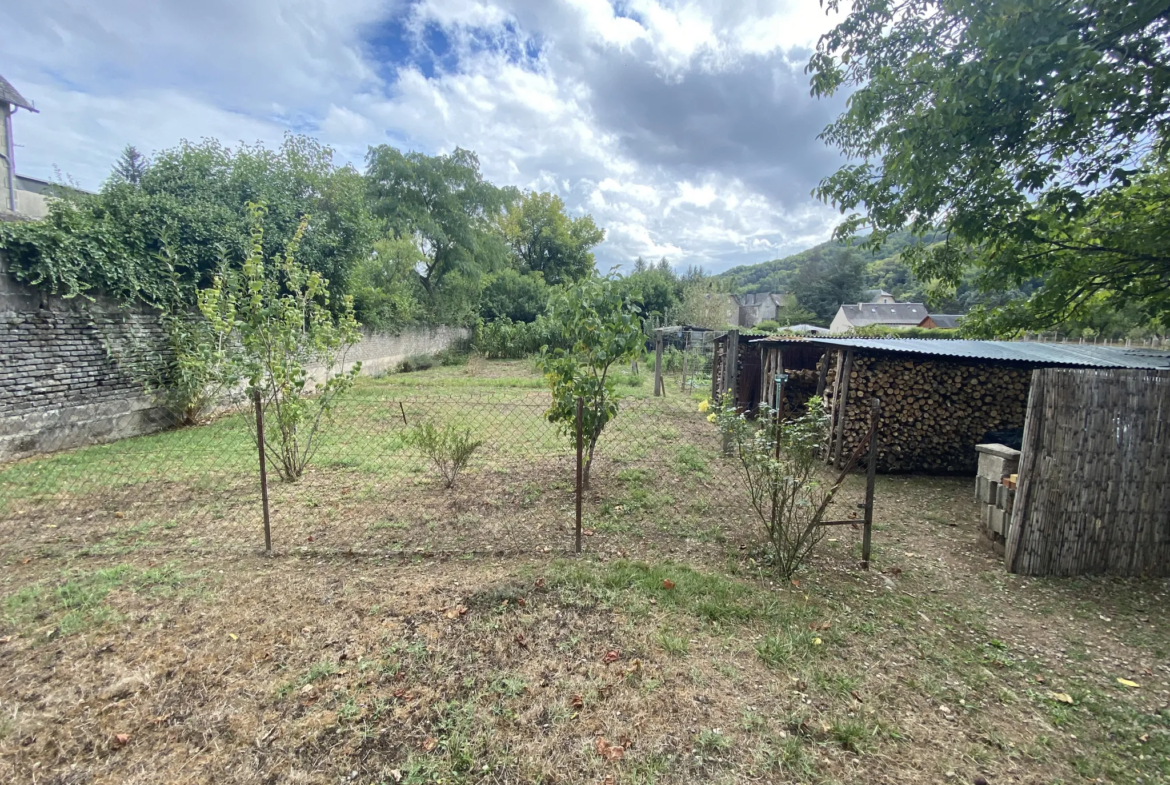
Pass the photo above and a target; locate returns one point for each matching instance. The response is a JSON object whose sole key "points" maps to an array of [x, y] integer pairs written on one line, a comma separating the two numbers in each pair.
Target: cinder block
{"points": [[990, 494], [995, 518], [980, 488], [996, 460], [985, 516]]}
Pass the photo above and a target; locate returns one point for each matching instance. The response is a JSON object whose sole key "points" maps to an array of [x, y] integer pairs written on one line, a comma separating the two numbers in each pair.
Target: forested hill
{"points": [[778, 275]]}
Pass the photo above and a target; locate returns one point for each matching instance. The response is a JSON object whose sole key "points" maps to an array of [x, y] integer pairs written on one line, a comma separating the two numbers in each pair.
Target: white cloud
{"points": [[608, 108]]}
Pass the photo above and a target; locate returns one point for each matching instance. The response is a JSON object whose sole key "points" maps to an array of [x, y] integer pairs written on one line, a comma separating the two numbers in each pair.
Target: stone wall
{"points": [[59, 387]]}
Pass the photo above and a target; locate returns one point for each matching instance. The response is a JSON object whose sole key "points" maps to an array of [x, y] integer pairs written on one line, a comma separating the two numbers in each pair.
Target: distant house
{"points": [[17, 194], [850, 317], [944, 321], [748, 310]]}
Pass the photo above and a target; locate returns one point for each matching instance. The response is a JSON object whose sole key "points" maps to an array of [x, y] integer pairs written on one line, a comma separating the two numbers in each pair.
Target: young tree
{"points": [[1034, 133], [544, 239], [601, 327], [282, 321], [131, 165]]}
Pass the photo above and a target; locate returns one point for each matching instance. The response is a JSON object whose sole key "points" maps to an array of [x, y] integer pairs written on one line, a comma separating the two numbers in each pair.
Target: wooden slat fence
{"points": [[1094, 478]]}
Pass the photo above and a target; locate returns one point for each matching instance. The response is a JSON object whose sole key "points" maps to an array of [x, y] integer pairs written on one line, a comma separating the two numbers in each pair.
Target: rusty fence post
{"points": [[870, 476], [263, 469], [580, 467]]}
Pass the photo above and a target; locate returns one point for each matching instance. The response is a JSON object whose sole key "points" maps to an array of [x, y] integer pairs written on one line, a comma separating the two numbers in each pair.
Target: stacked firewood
{"points": [[933, 413]]}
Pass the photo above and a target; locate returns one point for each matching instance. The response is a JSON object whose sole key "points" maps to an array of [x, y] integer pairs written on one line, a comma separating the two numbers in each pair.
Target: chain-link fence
{"points": [[659, 477]]}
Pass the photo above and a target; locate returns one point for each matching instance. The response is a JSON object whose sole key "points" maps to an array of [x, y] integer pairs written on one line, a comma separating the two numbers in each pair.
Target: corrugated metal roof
{"points": [[1015, 351]]}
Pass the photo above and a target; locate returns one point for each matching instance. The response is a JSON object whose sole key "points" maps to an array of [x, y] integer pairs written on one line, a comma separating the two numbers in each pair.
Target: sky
{"points": [[684, 127]]}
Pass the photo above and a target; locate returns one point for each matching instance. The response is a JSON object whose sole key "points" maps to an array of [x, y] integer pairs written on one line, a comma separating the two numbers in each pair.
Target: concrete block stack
{"points": [[995, 490]]}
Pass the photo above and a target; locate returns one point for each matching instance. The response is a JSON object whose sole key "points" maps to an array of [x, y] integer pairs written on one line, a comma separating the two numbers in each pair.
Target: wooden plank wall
{"points": [[1094, 477]]}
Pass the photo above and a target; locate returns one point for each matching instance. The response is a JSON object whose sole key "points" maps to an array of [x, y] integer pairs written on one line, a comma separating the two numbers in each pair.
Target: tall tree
{"points": [[131, 165], [1033, 131], [823, 284], [449, 211], [546, 240]]}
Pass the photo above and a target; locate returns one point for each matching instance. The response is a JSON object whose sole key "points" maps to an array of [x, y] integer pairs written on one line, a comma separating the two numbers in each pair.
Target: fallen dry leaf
{"points": [[121, 739], [520, 640], [588, 532], [539, 583], [609, 751], [578, 702], [611, 656], [1127, 683], [455, 612], [1062, 697], [429, 743], [396, 775], [668, 584]]}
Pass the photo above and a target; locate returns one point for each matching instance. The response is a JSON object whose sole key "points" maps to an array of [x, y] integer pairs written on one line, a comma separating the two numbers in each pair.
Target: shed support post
{"points": [[731, 379], [841, 404], [824, 373], [870, 477]]}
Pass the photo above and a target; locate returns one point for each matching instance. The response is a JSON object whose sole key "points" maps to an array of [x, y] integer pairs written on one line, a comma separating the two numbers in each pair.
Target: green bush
{"points": [[416, 362], [449, 448], [505, 339]]}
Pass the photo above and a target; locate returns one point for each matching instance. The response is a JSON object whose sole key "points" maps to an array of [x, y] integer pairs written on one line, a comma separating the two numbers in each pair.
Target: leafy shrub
{"points": [[448, 448], [779, 463], [416, 362], [505, 339]]}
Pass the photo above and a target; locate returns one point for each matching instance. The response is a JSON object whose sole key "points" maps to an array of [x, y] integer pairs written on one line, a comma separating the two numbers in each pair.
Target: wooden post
{"points": [[778, 404], [686, 346], [659, 386], [870, 476], [731, 374], [824, 373], [263, 469], [580, 467], [842, 404], [831, 452]]}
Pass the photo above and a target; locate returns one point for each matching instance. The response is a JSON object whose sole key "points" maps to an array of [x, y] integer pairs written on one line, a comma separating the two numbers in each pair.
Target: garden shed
{"points": [[939, 397]]}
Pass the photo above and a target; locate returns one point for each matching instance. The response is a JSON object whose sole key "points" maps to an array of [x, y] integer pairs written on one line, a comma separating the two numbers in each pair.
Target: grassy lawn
{"points": [[405, 633]]}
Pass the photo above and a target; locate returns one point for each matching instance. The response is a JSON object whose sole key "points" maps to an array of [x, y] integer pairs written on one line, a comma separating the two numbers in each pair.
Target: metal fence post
{"points": [[263, 469], [659, 384], [870, 476], [580, 466]]}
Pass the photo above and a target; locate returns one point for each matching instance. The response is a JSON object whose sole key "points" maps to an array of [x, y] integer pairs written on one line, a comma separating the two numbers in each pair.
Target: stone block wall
{"points": [[60, 388]]}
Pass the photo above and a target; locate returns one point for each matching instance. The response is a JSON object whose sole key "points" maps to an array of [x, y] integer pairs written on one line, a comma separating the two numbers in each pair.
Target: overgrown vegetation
{"points": [[448, 447], [780, 464], [1033, 136]]}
